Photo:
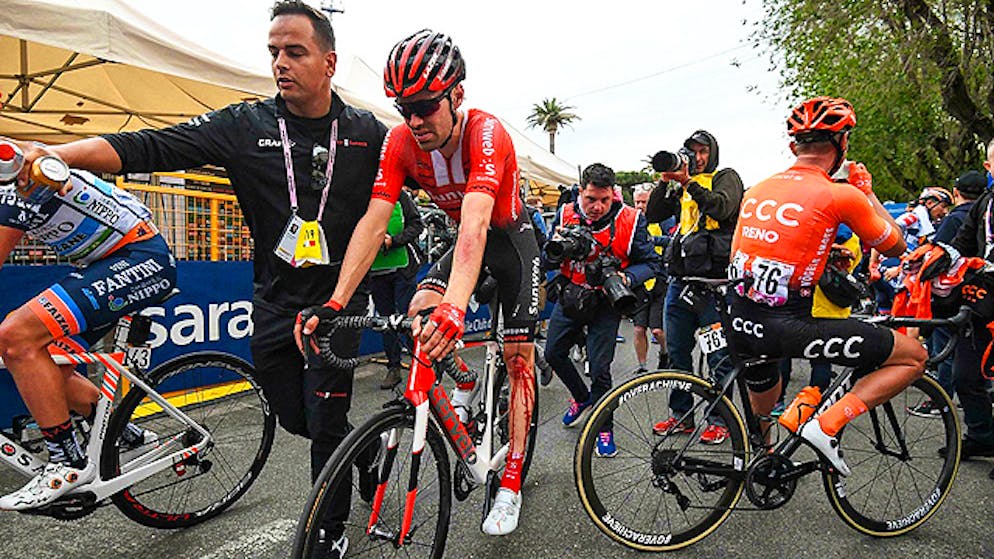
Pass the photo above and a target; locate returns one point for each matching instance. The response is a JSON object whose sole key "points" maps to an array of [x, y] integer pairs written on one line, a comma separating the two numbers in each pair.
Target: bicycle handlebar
{"points": [[960, 323], [393, 323]]}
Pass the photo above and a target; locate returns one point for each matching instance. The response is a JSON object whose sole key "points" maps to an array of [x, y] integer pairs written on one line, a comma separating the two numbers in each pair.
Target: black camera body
{"points": [[603, 271], [575, 243], [668, 162]]}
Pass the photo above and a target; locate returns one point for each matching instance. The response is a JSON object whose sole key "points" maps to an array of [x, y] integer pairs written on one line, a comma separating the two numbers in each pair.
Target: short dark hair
{"points": [[599, 175], [323, 32]]}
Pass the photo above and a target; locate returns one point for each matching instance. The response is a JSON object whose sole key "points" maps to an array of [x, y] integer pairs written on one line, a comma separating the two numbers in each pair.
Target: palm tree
{"points": [[550, 115]]}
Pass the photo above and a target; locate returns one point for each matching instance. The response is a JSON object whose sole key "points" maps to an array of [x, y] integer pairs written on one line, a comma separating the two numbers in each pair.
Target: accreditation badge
{"points": [[311, 248], [287, 246]]}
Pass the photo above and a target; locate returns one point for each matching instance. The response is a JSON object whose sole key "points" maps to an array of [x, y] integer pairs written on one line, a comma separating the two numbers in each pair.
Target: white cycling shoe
{"points": [[503, 517], [53, 482], [826, 445]]}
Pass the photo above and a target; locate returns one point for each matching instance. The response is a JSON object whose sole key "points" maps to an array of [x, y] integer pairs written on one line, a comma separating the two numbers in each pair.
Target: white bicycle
{"points": [[207, 428]]}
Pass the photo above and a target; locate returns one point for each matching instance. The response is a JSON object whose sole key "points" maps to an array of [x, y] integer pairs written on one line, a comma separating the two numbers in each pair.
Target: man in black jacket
{"points": [[392, 276], [301, 157], [706, 204], [973, 239]]}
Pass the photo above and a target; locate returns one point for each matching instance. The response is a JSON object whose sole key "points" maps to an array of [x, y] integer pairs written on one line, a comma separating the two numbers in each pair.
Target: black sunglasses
{"points": [[422, 109], [319, 164]]}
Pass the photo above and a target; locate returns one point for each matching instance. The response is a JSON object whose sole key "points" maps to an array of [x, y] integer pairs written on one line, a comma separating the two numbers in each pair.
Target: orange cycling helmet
{"points": [[827, 115], [425, 61]]}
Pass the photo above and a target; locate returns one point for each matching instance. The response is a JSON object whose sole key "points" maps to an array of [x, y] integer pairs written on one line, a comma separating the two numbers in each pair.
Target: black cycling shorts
{"points": [[511, 256], [790, 331]]}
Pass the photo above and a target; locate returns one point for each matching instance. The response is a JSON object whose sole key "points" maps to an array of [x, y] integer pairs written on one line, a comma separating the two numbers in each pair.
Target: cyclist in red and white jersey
{"points": [[466, 163], [787, 224]]}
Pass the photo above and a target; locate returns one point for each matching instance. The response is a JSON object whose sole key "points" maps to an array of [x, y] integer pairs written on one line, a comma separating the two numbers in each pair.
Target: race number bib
{"points": [[770, 281], [711, 338]]}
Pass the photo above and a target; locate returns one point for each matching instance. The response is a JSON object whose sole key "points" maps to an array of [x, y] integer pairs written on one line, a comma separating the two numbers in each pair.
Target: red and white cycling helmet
{"points": [[936, 193], [425, 61]]}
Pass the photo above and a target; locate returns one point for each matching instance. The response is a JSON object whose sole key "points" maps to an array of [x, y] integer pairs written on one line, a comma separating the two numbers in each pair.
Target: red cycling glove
{"points": [[860, 177], [449, 321]]}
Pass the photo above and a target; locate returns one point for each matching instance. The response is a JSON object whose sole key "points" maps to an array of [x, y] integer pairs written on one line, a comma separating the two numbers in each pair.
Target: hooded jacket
{"points": [[707, 207]]}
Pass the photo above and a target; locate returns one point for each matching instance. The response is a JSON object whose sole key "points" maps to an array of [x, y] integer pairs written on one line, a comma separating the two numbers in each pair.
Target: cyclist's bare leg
{"points": [[81, 394], [641, 345], [904, 366], [762, 404], [520, 360], [24, 341]]}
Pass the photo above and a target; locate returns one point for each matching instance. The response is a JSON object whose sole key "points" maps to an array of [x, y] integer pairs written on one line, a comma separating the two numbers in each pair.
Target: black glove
{"points": [[325, 314]]}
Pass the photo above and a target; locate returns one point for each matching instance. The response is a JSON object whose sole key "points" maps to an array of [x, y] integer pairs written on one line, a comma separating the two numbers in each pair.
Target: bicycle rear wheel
{"points": [[898, 479], [650, 496], [217, 391], [382, 444]]}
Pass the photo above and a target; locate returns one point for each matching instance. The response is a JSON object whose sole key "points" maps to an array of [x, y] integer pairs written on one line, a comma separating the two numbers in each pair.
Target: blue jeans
{"points": [[821, 375], [392, 293], [936, 342], [602, 330], [681, 324]]}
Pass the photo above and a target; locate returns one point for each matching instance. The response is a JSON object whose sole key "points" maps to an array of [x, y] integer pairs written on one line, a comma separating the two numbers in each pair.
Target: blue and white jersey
{"points": [[90, 221]]}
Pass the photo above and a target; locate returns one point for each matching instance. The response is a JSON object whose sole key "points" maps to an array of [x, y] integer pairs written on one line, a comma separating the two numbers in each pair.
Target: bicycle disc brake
{"points": [[464, 482], [766, 485]]}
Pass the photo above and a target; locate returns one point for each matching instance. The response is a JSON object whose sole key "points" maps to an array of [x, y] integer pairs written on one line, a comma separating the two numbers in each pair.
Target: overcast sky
{"points": [[641, 75]]}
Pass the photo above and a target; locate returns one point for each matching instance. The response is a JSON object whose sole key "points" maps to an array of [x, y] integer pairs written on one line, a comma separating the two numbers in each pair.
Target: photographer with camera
{"points": [[602, 250], [707, 205]]}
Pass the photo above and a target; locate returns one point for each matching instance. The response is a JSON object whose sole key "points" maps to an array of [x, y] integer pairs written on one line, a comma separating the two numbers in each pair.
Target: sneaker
{"points": [[714, 434], [391, 379], [827, 446], [605, 444], [53, 482], [971, 449], [503, 517], [924, 409], [671, 427], [778, 409], [574, 412], [133, 446], [620, 339], [331, 550], [640, 370]]}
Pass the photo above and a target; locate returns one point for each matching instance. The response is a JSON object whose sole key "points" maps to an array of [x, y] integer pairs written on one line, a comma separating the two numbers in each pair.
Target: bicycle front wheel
{"points": [[380, 449], [217, 391], [662, 491], [898, 478]]}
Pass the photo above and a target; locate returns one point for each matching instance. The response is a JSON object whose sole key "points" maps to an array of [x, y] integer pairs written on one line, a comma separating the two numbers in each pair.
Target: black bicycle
{"points": [[666, 491]]}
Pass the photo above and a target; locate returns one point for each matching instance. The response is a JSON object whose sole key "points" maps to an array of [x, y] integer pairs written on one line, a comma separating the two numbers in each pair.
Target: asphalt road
{"points": [[553, 525]]}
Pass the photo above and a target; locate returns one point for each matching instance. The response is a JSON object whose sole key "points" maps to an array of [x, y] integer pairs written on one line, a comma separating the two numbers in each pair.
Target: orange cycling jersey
{"points": [[786, 227], [483, 162]]}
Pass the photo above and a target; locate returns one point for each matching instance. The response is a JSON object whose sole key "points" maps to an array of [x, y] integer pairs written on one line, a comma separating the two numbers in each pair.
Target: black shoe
{"points": [[333, 549], [971, 449], [391, 379]]}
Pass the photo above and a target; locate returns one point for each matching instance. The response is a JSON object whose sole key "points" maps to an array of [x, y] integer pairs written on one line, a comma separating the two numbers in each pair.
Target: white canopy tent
{"points": [[76, 68]]}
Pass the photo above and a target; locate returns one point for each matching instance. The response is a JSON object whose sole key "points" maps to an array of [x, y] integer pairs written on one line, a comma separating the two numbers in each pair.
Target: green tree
{"points": [[550, 115], [917, 71]]}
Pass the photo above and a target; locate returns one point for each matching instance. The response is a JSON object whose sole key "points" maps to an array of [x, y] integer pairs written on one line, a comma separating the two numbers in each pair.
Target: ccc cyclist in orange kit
{"points": [[786, 228]]}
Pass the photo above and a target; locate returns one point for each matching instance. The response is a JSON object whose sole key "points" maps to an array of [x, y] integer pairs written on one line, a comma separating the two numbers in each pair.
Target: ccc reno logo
{"points": [[749, 327]]}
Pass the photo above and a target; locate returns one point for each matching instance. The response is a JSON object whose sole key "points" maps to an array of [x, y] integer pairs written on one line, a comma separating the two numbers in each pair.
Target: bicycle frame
{"points": [[140, 467], [427, 396]]}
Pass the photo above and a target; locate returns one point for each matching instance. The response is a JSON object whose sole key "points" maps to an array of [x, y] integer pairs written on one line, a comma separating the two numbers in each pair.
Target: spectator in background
{"points": [[707, 202], [967, 188], [989, 165], [393, 274], [652, 293]]}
